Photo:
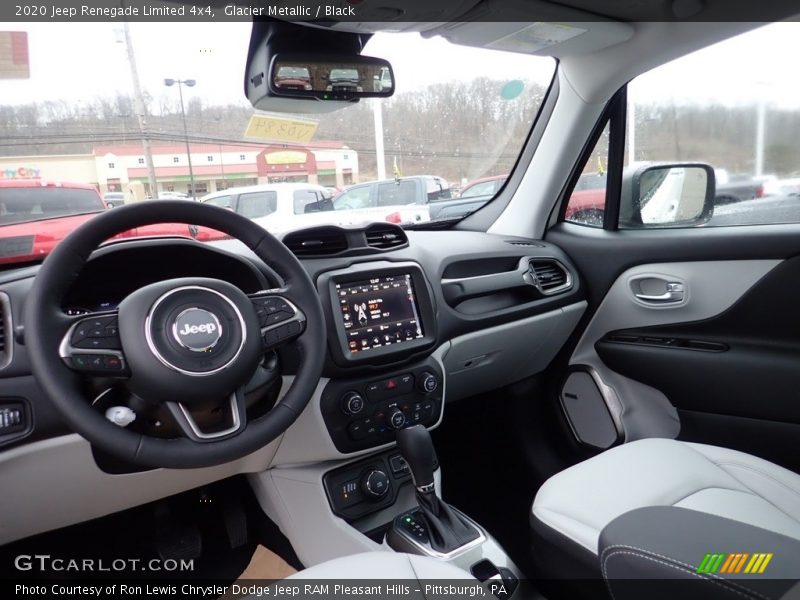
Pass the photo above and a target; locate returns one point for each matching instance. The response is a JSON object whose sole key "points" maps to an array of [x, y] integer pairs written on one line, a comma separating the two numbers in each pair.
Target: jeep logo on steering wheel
{"points": [[197, 329]]}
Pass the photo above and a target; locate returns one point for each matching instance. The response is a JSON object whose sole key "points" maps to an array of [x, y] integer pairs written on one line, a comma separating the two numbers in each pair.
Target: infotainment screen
{"points": [[379, 312]]}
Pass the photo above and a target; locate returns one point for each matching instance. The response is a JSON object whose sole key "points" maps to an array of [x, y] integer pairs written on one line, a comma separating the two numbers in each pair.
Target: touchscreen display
{"points": [[379, 312]]}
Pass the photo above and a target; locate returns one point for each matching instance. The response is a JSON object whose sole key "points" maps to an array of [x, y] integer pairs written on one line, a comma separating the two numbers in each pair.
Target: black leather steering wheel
{"points": [[181, 343]]}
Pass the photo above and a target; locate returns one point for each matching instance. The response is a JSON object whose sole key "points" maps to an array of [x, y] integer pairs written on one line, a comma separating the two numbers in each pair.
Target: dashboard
{"points": [[415, 320], [387, 309]]}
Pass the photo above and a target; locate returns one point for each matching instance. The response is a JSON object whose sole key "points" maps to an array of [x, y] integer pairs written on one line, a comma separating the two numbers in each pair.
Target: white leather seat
{"points": [[385, 565], [581, 500]]}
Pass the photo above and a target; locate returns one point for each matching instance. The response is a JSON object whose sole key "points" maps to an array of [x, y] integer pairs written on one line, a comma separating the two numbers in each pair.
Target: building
{"points": [[122, 168]]}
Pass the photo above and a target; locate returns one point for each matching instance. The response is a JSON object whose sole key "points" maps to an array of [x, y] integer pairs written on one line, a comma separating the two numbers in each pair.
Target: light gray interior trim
{"points": [[54, 483], [294, 498], [528, 211], [712, 287], [491, 358], [308, 441], [580, 501]]}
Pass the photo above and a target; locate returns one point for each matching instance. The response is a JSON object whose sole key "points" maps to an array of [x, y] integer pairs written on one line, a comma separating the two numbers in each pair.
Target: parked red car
{"points": [[587, 203], [36, 215], [484, 186]]}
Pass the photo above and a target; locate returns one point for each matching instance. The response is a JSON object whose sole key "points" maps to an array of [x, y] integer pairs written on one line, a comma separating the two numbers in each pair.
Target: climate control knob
{"points": [[428, 383], [396, 418], [375, 484], [352, 403]]}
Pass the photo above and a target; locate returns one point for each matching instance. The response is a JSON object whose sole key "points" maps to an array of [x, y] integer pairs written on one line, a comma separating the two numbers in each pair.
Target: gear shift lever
{"points": [[447, 529], [416, 446]]}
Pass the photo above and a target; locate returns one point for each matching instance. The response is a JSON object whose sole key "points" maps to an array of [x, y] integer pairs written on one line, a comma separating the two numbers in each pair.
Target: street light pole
{"points": [[181, 83], [377, 116], [141, 111], [761, 117]]}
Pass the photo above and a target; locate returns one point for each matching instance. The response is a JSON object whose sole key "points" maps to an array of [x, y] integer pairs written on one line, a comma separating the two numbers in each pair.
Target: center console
{"points": [[366, 412], [387, 386]]}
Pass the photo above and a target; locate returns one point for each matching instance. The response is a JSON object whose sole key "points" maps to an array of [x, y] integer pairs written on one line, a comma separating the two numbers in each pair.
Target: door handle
{"points": [[674, 294]]}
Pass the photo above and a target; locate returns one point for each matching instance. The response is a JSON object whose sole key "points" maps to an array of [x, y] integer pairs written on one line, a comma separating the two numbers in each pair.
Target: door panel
{"points": [[721, 367], [708, 288], [744, 362]]}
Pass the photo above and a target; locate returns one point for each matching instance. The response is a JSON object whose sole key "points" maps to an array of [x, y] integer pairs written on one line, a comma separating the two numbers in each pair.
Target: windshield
{"points": [[458, 114]]}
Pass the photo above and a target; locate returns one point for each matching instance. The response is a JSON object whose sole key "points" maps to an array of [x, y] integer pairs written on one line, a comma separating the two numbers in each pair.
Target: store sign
{"points": [[267, 127], [285, 157], [20, 173]]}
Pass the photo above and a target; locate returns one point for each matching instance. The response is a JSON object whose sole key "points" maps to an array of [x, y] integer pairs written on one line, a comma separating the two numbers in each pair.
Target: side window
{"points": [[438, 189], [397, 194], [733, 107], [484, 188], [587, 203], [306, 201], [223, 201], [354, 198], [257, 204]]}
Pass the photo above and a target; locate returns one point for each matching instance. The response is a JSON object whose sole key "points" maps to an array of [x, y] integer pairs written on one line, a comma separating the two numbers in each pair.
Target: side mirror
{"points": [[667, 195]]}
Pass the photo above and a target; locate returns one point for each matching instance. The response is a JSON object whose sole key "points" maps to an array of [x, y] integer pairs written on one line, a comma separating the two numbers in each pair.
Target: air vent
{"points": [[525, 244], [386, 237], [317, 241], [6, 329], [550, 276]]}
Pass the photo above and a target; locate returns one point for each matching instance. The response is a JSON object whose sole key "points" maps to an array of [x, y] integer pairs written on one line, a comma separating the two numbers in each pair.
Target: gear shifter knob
{"points": [[417, 449]]}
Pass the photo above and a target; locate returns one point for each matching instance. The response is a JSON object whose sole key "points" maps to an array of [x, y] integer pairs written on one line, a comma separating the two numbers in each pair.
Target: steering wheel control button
{"points": [[197, 329], [375, 484], [81, 361], [93, 328], [98, 363], [112, 363], [99, 343], [284, 333], [272, 310]]}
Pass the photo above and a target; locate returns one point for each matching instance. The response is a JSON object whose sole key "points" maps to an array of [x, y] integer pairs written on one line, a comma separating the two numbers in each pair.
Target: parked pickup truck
{"points": [[405, 200], [36, 215]]}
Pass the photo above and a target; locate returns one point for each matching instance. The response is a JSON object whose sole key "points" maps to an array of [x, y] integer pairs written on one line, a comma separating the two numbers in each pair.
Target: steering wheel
{"points": [[182, 344]]}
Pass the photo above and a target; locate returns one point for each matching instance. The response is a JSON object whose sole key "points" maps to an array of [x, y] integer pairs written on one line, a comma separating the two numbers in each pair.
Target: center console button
{"points": [[396, 418], [374, 391], [428, 383], [375, 484], [398, 464], [356, 430], [405, 383], [352, 403]]}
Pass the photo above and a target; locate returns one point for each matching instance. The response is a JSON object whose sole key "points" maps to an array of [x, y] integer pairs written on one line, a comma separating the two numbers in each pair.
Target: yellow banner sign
{"points": [[267, 127], [285, 157]]}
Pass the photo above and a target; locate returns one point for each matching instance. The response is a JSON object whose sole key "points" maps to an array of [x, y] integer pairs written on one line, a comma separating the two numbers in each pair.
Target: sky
{"points": [[214, 54], [759, 64]]}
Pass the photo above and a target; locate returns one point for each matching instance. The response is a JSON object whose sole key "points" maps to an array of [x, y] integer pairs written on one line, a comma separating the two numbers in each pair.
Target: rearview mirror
{"points": [[667, 195], [326, 77]]}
